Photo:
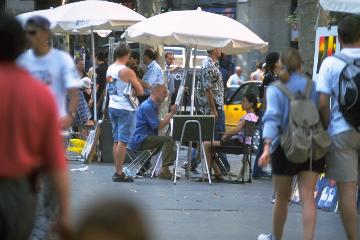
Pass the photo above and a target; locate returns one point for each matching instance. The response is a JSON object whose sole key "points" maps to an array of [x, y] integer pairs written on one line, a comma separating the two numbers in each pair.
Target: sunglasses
{"points": [[31, 32]]}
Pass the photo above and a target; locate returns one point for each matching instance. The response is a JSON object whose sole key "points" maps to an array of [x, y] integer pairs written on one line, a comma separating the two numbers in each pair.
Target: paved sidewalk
{"points": [[197, 211]]}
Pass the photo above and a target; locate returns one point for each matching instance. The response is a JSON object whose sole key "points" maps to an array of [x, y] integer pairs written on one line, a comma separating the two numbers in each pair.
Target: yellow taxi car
{"points": [[233, 109]]}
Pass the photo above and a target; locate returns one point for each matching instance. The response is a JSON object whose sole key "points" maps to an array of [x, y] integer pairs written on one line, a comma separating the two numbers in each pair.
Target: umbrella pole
{"points": [[94, 72], [193, 84]]}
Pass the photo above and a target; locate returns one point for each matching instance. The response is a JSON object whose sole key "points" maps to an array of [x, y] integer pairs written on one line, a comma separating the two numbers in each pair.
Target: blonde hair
{"points": [[291, 62]]}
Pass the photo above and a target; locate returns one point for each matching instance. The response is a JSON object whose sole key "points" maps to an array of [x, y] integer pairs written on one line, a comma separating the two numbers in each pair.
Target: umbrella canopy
{"points": [[195, 28], [79, 17], [96, 14], [347, 6], [49, 14]]}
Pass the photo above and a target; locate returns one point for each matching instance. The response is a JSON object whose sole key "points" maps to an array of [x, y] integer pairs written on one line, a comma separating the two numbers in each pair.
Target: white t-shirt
{"points": [[328, 83], [234, 81], [116, 87], [55, 69]]}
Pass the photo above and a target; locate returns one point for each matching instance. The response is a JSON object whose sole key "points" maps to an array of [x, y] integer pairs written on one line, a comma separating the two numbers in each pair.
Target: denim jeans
{"points": [[220, 127]]}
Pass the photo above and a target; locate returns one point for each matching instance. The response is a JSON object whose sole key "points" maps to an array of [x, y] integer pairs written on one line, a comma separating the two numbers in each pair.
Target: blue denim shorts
{"points": [[123, 124]]}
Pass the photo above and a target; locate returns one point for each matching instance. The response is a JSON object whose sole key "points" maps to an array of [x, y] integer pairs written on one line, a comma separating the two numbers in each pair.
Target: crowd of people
{"points": [[46, 97]]}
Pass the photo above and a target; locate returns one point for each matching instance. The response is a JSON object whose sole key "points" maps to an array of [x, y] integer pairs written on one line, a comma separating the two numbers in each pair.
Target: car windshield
{"points": [[244, 89]]}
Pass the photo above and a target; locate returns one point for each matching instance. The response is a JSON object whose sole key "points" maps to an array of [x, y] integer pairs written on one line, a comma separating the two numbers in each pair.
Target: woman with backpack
{"points": [[276, 122]]}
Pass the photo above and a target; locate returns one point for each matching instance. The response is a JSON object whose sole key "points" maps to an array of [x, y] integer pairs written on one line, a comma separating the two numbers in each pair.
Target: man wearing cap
{"points": [[57, 70]]}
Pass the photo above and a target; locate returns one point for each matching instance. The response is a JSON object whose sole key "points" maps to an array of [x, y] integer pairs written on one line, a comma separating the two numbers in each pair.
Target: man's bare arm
{"points": [[74, 99], [167, 118], [324, 109], [210, 97]]}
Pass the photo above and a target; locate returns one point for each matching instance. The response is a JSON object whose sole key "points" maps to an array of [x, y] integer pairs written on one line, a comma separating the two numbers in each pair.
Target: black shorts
{"points": [[282, 166], [230, 143]]}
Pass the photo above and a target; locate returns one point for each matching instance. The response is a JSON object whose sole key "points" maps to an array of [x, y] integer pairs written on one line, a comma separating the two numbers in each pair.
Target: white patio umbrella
{"points": [[85, 17], [96, 15], [347, 6], [195, 29]]}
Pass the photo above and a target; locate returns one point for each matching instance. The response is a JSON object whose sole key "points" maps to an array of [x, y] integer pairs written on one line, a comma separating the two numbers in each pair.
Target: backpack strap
{"points": [[281, 86]]}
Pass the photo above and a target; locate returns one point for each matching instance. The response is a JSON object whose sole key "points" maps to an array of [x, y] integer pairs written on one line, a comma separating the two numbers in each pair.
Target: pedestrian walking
{"points": [[121, 111], [272, 70], [57, 70], [343, 162], [30, 141], [276, 122]]}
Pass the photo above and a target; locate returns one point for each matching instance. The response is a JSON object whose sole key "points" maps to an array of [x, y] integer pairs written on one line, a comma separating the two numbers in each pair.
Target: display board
{"points": [[326, 44]]}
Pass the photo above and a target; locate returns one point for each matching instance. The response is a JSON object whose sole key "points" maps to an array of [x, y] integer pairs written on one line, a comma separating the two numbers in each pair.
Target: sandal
{"points": [[121, 178]]}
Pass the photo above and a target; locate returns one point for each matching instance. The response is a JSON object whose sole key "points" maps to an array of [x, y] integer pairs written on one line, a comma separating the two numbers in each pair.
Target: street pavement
{"points": [[194, 210]]}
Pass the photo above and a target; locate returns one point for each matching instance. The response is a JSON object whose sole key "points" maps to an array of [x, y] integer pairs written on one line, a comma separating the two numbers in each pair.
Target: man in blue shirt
{"points": [[147, 126], [153, 73], [343, 160]]}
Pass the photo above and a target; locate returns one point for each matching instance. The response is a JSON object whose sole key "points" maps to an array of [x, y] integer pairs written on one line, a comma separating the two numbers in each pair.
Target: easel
{"points": [[193, 129]]}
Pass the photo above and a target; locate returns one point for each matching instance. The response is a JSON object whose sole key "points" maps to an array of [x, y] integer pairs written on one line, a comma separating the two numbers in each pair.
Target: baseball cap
{"points": [[86, 82], [40, 22]]}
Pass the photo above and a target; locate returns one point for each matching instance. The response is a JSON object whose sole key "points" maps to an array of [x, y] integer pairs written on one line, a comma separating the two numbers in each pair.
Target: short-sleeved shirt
{"points": [[55, 69], [171, 79], [328, 83], [212, 79], [147, 123], [30, 133], [101, 70], [153, 75], [251, 117], [234, 80], [83, 113]]}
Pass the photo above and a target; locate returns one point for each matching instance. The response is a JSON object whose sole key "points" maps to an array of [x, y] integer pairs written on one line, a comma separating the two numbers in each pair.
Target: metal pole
{"points": [[188, 170], [94, 72], [193, 84]]}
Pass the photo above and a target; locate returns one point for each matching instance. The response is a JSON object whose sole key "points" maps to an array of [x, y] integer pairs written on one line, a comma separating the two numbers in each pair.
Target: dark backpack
{"points": [[349, 87]]}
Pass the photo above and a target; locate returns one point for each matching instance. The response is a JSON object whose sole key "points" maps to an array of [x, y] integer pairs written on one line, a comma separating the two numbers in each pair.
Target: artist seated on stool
{"points": [[147, 126], [236, 136]]}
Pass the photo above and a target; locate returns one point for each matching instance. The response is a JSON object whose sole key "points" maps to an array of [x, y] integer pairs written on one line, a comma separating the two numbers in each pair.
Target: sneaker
{"points": [[265, 237], [121, 178]]}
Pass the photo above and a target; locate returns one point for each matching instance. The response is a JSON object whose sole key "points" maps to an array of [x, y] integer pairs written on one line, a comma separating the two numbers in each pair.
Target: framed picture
{"points": [[326, 44]]}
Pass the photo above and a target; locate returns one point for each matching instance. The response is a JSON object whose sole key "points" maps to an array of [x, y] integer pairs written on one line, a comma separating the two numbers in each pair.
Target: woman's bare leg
{"points": [[307, 182], [282, 186]]}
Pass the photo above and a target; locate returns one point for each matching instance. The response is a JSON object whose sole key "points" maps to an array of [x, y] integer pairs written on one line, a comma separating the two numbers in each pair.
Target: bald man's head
{"points": [[238, 70], [158, 93]]}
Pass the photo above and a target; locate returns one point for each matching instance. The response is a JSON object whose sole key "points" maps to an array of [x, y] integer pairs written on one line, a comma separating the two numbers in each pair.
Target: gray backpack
{"points": [[305, 137]]}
